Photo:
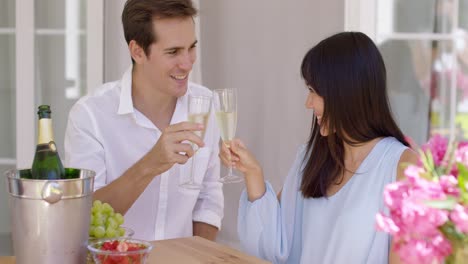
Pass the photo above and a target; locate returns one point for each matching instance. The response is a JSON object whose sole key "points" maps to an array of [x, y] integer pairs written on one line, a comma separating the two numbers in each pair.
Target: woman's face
{"points": [[315, 102]]}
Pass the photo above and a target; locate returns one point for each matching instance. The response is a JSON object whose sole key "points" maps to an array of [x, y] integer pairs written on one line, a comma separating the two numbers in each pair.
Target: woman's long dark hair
{"points": [[348, 72]]}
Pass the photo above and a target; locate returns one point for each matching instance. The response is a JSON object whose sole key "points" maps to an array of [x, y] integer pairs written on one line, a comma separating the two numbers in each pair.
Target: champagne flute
{"points": [[199, 107], [225, 102]]}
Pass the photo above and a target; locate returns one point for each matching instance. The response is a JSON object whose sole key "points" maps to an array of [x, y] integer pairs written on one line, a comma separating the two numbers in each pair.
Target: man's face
{"points": [[171, 57]]}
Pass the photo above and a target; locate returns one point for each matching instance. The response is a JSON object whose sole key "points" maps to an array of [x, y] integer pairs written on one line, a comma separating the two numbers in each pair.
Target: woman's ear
{"points": [[136, 51]]}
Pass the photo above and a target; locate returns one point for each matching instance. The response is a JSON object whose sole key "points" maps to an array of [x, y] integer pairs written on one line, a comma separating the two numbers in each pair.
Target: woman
{"points": [[326, 210]]}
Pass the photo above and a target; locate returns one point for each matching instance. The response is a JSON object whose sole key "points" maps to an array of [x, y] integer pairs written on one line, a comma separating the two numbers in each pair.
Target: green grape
{"points": [[99, 219], [121, 231], [119, 218], [105, 222], [97, 203], [99, 232], [106, 208], [111, 232], [97, 206], [91, 231], [111, 223]]}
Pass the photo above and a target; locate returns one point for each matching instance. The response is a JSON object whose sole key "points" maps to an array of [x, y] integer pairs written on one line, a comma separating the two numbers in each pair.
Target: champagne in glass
{"points": [[201, 118], [198, 112], [227, 122], [226, 117]]}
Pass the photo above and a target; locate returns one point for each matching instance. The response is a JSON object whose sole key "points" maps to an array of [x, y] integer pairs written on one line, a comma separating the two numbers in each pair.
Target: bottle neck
{"points": [[45, 134]]}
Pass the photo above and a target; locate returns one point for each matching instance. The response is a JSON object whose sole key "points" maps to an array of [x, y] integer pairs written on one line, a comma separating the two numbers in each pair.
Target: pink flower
{"points": [[395, 193], [462, 144], [461, 154], [414, 220], [408, 212], [386, 224], [459, 216], [413, 171], [420, 251], [449, 185], [438, 146], [425, 189], [419, 219]]}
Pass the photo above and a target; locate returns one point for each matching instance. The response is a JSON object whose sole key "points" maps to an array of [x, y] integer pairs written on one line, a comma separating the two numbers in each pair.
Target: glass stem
{"points": [[230, 161], [230, 171], [191, 171]]}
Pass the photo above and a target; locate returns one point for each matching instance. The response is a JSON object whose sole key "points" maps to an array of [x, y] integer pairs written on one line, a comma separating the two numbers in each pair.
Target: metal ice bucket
{"points": [[50, 218]]}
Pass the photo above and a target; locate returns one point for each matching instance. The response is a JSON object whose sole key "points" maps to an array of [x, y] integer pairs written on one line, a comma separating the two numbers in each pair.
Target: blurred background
{"points": [[55, 51]]}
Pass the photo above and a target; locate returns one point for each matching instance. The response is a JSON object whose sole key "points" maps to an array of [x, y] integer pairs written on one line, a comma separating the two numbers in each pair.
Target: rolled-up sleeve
{"points": [[83, 149]]}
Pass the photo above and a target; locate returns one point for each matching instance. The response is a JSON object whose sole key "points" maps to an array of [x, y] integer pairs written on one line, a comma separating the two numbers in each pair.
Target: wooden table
{"points": [[190, 250]]}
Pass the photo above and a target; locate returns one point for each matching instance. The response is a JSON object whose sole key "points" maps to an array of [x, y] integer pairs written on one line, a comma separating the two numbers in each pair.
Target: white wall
{"points": [[116, 56], [256, 47]]}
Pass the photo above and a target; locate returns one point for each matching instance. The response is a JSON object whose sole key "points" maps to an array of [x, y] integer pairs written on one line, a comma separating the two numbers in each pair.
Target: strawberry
{"points": [[121, 246], [107, 246], [115, 244]]}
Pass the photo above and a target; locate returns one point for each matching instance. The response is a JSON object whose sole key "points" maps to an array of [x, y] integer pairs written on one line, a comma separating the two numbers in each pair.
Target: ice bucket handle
{"points": [[52, 192]]}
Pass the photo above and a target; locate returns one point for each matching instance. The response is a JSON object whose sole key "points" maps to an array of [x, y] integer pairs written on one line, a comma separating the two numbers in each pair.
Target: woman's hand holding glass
{"points": [[239, 157]]}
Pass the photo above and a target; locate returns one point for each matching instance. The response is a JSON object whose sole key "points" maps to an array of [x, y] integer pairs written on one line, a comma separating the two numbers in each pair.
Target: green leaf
{"points": [[440, 171], [449, 157], [464, 198], [425, 159], [422, 158], [450, 232], [430, 160], [462, 177], [428, 163], [447, 204]]}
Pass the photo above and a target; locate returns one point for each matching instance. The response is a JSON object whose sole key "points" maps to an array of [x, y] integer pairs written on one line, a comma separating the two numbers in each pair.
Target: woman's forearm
{"points": [[255, 184]]}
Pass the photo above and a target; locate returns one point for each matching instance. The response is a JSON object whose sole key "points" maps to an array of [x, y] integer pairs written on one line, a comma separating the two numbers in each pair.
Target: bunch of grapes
{"points": [[105, 223]]}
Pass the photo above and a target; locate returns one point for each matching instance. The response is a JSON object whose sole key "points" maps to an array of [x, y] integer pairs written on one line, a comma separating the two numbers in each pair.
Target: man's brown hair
{"points": [[137, 18]]}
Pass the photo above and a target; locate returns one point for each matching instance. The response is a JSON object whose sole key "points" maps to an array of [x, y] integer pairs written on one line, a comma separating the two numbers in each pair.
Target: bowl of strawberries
{"points": [[120, 251]]}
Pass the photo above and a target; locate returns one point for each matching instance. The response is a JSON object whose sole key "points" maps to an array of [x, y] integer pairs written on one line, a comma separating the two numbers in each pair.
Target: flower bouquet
{"points": [[428, 211]]}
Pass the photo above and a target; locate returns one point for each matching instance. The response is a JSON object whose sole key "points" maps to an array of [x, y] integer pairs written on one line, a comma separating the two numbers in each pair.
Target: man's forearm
{"points": [[125, 190], [205, 230]]}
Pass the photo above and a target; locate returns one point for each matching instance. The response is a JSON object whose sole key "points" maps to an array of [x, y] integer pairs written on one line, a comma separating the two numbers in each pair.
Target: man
{"points": [[134, 132]]}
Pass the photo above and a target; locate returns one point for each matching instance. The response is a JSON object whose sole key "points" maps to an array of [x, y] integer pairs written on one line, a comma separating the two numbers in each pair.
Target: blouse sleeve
{"points": [[266, 226]]}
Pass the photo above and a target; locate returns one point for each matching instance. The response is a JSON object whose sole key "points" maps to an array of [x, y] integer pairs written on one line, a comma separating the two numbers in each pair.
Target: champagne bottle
{"points": [[47, 164]]}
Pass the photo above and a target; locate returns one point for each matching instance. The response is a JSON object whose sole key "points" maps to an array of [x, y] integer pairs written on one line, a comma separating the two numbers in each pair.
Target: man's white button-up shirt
{"points": [[106, 134]]}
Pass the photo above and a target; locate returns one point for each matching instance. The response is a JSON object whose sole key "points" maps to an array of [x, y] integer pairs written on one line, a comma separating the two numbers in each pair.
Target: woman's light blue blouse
{"points": [[338, 229]]}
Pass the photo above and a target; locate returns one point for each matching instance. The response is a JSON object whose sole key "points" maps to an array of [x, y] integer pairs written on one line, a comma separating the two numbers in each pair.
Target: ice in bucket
{"points": [[50, 218]]}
